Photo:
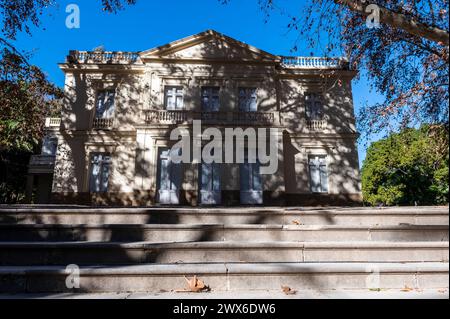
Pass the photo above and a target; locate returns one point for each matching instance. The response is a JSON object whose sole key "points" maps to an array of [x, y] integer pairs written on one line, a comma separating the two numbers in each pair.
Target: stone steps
{"points": [[238, 249], [229, 277], [107, 253], [250, 233], [267, 216], [273, 294]]}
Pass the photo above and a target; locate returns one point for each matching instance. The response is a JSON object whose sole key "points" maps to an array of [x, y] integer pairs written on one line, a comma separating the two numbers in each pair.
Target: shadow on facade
{"points": [[71, 183]]}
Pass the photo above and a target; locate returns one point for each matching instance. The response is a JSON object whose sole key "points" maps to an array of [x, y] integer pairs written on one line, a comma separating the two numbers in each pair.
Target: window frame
{"points": [[110, 114], [101, 164], [210, 95], [311, 113], [249, 97], [49, 142], [324, 184], [177, 88]]}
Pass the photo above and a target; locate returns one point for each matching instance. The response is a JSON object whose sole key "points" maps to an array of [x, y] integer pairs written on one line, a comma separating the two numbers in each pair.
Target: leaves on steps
{"points": [[407, 289], [288, 291], [194, 285]]}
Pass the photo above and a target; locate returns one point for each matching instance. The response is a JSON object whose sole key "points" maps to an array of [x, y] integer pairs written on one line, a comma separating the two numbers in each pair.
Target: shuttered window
{"points": [[105, 105], [174, 98], [314, 106], [210, 99], [318, 171], [99, 173], [248, 100]]}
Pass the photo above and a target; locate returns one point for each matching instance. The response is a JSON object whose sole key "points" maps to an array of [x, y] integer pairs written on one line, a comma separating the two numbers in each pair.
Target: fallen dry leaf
{"points": [[296, 222], [407, 289], [194, 285], [288, 290]]}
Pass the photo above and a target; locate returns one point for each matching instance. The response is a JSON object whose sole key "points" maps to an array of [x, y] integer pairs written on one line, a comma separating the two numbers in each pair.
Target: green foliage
{"points": [[13, 172], [408, 168], [26, 98]]}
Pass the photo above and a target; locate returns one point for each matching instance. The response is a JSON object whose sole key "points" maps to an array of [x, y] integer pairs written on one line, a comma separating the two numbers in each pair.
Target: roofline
{"points": [[206, 33]]}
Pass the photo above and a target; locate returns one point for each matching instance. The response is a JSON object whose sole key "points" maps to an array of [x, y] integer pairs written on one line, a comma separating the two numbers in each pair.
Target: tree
{"points": [[408, 168], [26, 95], [26, 98], [406, 57]]}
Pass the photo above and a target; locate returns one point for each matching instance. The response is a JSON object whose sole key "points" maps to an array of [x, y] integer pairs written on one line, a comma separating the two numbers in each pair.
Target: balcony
{"points": [[102, 57], [231, 118], [103, 124], [316, 125], [51, 122], [291, 62], [42, 160]]}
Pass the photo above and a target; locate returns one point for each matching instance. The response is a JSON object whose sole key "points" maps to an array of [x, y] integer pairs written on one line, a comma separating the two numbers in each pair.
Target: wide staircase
{"points": [[229, 249]]}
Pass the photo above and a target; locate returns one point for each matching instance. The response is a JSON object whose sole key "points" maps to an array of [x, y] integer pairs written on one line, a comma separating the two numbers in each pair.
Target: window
{"points": [[210, 177], [49, 146], [314, 106], [318, 173], [250, 176], [105, 105], [99, 174], [248, 100], [210, 98], [170, 172], [173, 98]]}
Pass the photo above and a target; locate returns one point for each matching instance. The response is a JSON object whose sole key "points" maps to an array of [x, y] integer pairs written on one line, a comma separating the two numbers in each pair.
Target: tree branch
{"points": [[399, 20]]}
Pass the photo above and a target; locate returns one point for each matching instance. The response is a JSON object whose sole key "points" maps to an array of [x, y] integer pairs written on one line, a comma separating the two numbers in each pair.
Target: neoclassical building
{"points": [[112, 143]]}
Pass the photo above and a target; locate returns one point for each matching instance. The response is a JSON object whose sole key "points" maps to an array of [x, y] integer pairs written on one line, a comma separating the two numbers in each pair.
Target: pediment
{"points": [[209, 45]]}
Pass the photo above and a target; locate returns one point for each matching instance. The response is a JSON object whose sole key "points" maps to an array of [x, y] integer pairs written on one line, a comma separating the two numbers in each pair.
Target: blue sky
{"points": [[151, 23]]}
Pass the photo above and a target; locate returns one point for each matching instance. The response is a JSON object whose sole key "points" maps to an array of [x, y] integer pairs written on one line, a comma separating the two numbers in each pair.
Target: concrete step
{"points": [[82, 253], [228, 277], [170, 233], [280, 216], [392, 294]]}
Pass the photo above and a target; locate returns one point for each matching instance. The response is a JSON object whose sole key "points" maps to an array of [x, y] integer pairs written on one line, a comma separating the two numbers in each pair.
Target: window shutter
{"points": [[95, 177], [109, 104], [207, 177], [100, 107], [216, 170], [176, 172], [105, 106], [256, 178], [314, 175], [242, 100], [205, 99], [105, 176], [245, 176], [253, 107], [165, 171], [324, 178]]}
